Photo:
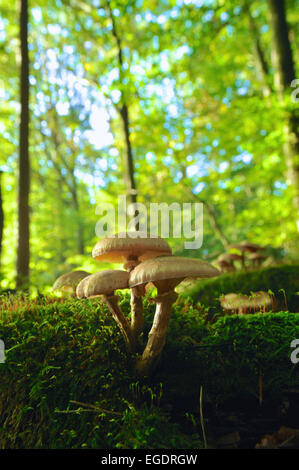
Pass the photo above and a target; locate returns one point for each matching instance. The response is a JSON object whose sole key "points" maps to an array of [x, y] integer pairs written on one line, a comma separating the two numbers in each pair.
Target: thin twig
{"points": [[89, 408], [216, 346], [78, 410], [202, 419], [89, 405]]}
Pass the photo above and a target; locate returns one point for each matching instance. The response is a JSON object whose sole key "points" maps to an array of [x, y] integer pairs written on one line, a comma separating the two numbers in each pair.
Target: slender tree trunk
{"points": [[129, 163], [209, 209], [23, 250], [212, 218], [80, 228], [284, 74], [1, 217], [215, 225], [259, 53], [282, 52], [124, 113]]}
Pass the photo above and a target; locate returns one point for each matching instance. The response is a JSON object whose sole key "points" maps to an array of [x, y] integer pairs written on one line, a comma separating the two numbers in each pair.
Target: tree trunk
{"points": [[129, 162], [215, 225], [23, 250], [212, 218], [124, 113], [284, 74], [259, 53], [282, 52], [80, 228]]}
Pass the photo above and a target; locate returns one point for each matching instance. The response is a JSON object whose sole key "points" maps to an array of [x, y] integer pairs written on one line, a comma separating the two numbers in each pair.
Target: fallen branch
{"points": [[89, 408]]}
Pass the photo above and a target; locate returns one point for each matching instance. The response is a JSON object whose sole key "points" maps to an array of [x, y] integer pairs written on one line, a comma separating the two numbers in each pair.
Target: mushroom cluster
{"points": [[237, 252], [146, 261], [130, 250], [240, 303]]}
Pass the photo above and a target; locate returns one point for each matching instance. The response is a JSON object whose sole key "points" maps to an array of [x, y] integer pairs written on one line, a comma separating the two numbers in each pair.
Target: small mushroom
{"points": [[225, 266], [68, 282], [256, 259], [165, 272], [226, 261], [131, 248], [243, 247], [104, 284], [241, 303]]}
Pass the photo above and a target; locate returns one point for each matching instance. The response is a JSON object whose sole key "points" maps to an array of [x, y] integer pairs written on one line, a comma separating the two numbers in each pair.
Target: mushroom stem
{"points": [[137, 320], [122, 322], [243, 261], [157, 335], [137, 317]]}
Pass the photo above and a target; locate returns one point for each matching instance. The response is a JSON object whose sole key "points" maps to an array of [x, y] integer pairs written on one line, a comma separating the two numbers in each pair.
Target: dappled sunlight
{"points": [[149, 225]]}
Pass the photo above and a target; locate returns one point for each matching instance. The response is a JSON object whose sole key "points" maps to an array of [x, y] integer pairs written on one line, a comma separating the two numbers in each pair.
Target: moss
{"points": [[283, 281], [73, 351], [228, 357]]}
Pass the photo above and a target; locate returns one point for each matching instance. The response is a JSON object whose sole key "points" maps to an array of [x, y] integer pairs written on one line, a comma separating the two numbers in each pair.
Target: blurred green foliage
{"points": [[202, 126]]}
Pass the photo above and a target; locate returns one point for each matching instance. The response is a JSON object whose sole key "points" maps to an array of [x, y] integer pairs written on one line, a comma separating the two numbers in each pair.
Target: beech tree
{"points": [[285, 74], [23, 250]]}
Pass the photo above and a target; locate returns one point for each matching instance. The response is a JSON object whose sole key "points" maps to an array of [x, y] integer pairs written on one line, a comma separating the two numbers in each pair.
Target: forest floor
{"points": [[244, 425]]}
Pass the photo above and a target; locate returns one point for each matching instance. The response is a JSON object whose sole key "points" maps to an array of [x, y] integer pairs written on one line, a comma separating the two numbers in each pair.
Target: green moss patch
{"points": [[63, 353]]}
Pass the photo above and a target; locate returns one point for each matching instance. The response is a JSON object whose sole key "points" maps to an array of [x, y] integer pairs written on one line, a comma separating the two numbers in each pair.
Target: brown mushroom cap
{"points": [[170, 267], [223, 263], [228, 257], [225, 266], [102, 283], [256, 256], [80, 288], [246, 246], [120, 247], [69, 280]]}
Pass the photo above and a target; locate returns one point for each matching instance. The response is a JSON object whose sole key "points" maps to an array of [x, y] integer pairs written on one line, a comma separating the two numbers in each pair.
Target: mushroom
{"points": [[165, 272], [69, 281], [245, 246], [241, 303], [225, 266], [131, 248], [104, 284], [256, 259], [226, 261]]}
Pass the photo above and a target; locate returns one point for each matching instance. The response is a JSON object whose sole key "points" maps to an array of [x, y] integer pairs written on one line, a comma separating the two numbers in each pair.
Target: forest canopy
{"points": [[162, 101]]}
